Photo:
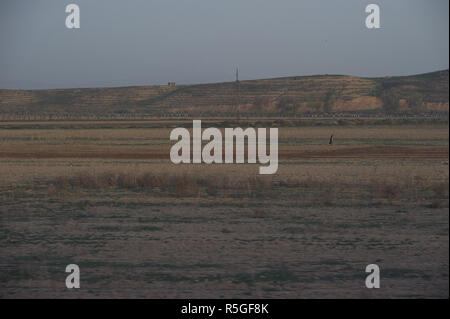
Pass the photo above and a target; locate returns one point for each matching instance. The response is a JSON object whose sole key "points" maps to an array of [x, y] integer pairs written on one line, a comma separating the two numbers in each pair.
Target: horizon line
{"points": [[224, 82]]}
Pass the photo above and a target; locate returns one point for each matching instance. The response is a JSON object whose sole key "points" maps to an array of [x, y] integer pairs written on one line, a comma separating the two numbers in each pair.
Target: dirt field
{"points": [[107, 198]]}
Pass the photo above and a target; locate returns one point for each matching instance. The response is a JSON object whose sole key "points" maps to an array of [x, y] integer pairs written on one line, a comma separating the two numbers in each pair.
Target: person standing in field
{"points": [[331, 139]]}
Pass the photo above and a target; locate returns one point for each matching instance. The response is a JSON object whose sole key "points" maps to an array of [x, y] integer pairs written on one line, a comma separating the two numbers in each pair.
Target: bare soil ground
{"points": [[246, 250], [160, 153]]}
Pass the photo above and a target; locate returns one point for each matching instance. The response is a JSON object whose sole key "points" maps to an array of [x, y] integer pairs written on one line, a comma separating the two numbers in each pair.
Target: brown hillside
{"points": [[288, 96]]}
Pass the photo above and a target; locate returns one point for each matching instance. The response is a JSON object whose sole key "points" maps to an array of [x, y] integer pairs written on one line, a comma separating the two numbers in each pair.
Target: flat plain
{"points": [[104, 195]]}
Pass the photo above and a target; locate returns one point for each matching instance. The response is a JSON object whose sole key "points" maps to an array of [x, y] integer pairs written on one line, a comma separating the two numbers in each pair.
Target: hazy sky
{"points": [[146, 42]]}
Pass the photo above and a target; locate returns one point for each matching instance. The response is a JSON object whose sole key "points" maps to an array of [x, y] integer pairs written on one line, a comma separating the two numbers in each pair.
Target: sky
{"points": [[152, 42]]}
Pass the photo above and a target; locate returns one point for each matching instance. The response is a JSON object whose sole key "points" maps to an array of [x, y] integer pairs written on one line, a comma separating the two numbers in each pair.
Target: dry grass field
{"points": [[105, 196]]}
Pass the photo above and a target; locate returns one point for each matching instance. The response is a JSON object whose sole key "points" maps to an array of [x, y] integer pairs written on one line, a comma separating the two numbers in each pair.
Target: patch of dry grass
{"points": [[323, 192], [180, 185]]}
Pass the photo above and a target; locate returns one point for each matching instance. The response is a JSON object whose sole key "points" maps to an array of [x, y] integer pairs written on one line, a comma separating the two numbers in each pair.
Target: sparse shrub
{"points": [[52, 190], [437, 203], [415, 101], [147, 181], [259, 183], [212, 190], [127, 180], [390, 191], [185, 186], [107, 179], [261, 103], [440, 190], [85, 180], [385, 189], [330, 100], [390, 100], [61, 182], [290, 183], [328, 196], [288, 104]]}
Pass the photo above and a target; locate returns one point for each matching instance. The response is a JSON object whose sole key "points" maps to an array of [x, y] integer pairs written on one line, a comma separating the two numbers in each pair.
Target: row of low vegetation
{"points": [[326, 192]]}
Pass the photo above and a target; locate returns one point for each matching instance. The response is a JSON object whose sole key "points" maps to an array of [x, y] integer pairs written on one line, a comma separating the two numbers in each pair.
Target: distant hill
{"points": [[322, 94]]}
